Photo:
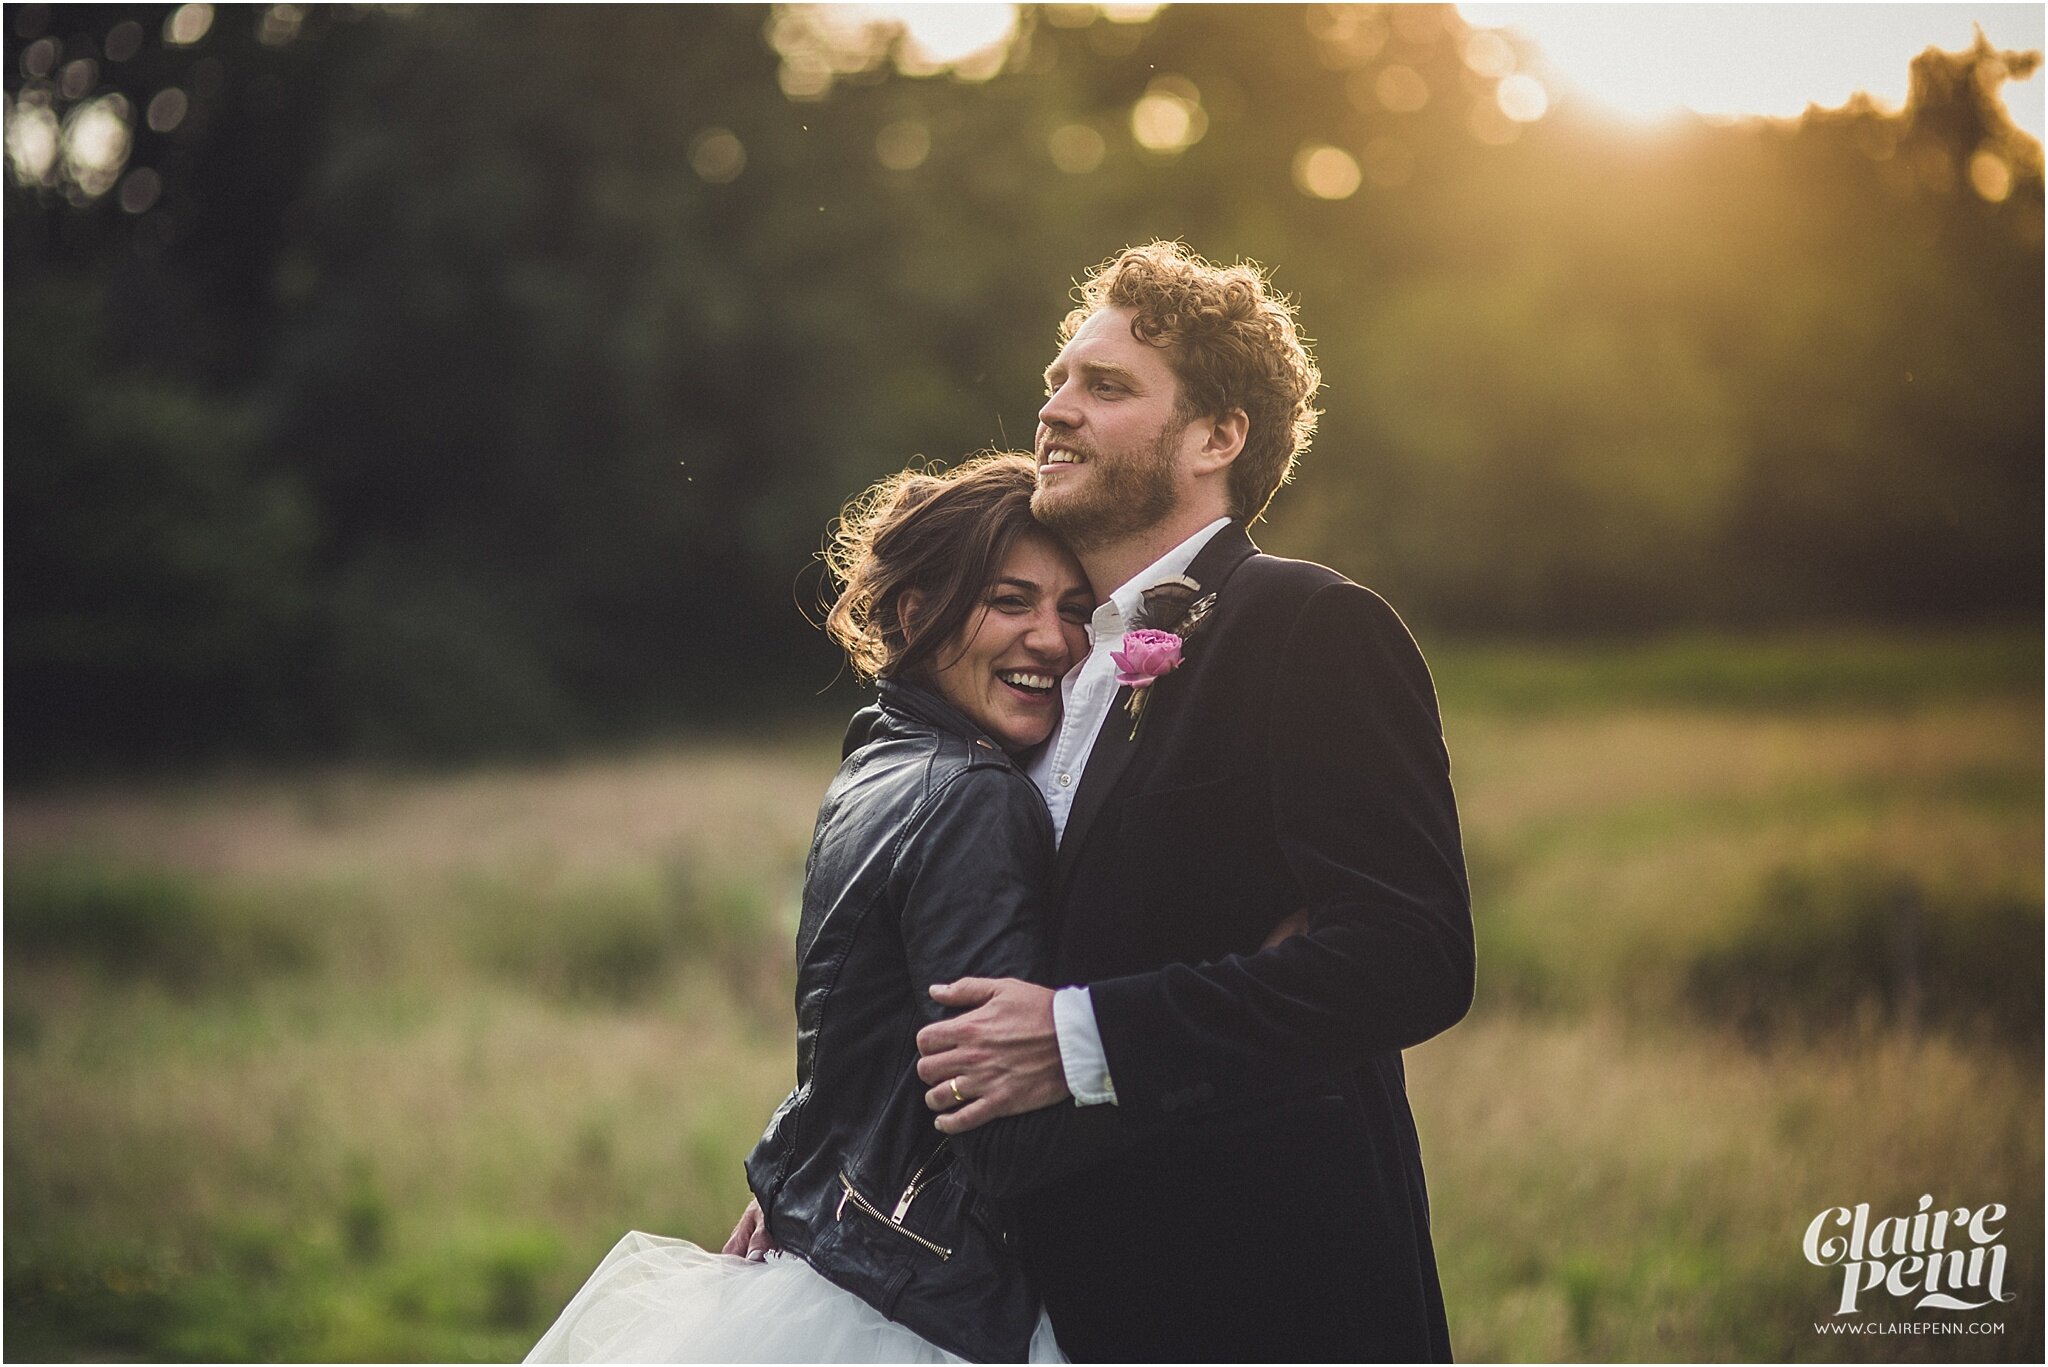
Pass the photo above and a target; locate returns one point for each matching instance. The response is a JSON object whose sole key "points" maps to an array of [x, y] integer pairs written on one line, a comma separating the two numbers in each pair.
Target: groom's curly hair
{"points": [[1231, 340], [941, 535]]}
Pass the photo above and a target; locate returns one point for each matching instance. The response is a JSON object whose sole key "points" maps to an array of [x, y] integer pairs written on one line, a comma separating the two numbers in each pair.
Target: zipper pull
{"points": [[844, 1196], [903, 1206]]}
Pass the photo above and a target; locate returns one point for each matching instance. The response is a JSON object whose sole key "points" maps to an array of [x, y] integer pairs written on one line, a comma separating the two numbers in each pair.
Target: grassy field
{"points": [[343, 1065]]}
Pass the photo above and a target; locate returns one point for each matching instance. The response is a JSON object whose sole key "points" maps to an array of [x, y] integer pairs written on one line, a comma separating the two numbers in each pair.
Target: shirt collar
{"points": [[1114, 614]]}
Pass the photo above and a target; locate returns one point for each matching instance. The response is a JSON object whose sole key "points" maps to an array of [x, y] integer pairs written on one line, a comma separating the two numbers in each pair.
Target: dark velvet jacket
{"points": [[930, 862], [1294, 762]]}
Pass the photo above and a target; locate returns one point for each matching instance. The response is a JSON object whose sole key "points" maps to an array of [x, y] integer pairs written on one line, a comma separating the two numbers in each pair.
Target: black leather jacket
{"points": [[930, 862]]}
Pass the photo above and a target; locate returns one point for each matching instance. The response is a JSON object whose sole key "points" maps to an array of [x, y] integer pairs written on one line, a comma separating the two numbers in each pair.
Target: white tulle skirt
{"points": [[667, 1300]]}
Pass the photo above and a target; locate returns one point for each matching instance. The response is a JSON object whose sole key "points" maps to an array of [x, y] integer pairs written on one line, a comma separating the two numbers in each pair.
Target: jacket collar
{"points": [[904, 700], [1215, 562]]}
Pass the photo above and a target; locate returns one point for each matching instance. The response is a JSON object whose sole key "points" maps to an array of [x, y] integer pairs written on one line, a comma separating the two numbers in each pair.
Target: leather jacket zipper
{"points": [[917, 1181], [894, 1220]]}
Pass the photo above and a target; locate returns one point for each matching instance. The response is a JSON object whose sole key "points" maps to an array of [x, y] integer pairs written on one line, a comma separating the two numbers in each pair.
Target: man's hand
{"points": [[1001, 1058], [750, 1237]]}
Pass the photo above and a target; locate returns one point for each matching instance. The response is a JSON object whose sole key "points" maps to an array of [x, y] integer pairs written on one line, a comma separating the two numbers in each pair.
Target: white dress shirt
{"points": [[1086, 693]]}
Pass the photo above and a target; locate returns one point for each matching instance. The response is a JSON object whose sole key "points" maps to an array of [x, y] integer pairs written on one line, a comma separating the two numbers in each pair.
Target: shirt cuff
{"points": [[1081, 1056]]}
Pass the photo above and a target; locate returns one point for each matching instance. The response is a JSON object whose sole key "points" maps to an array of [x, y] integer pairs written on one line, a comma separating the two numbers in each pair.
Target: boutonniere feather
{"points": [[1156, 645]]}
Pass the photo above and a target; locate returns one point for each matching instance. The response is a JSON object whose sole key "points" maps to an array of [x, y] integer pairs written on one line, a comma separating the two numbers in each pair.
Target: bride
{"points": [[870, 1237]]}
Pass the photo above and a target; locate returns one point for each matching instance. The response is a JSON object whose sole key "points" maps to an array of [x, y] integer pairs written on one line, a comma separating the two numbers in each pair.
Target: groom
{"points": [[1259, 884]]}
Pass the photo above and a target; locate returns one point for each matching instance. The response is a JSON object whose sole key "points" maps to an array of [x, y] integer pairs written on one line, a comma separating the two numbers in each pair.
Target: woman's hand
{"points": [[750, 1237]]}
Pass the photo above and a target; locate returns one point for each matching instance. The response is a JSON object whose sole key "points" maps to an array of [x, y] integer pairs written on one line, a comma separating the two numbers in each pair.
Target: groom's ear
{"points": [[1223, 439]]}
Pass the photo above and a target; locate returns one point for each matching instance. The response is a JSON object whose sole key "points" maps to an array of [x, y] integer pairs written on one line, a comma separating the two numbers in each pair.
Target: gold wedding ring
{"points": [[955, 1085]]}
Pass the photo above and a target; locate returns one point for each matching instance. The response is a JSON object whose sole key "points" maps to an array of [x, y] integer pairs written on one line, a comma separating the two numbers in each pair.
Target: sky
{"points": [[1642, 60], [1716, 59]]}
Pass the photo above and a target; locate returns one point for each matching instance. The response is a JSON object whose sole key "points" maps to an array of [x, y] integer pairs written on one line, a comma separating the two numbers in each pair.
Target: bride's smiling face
{"points": [[1004, 670]]}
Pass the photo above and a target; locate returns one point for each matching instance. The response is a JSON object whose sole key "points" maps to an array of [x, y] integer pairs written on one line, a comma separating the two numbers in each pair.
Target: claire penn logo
{"points": [[1949, 1259]]}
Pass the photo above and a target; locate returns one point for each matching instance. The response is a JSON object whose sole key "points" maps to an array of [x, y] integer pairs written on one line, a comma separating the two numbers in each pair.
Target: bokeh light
{"points": [[1522, 98], [187, 24], [1990, 176], [1326, 172], [39, 57], [1347, 36], [717, 156], [32, 143], [280, 24], [96, 142], [140, 189], [1076, 148], [167, 110], [903, 145], [1169, 118], [124, 40], [78, 78], [1488, 54]]}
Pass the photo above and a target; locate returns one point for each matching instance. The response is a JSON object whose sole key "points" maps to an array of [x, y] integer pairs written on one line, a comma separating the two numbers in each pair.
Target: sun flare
{"points": [[1725, 60]]}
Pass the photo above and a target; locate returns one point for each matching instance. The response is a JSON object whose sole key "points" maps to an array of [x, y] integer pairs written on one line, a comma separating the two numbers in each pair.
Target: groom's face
{"points": [[1110, 436]]}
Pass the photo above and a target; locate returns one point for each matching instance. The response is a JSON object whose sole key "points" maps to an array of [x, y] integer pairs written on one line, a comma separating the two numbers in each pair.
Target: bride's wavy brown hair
{"points": [[940, 535]]}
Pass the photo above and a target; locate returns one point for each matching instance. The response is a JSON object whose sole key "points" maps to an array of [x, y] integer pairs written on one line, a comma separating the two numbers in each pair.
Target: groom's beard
{"points": [[1120, 497]]}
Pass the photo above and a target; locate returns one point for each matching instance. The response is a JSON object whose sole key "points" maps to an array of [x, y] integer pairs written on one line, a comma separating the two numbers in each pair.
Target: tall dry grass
{"points": [[354, 1066], [1603, 1191]]}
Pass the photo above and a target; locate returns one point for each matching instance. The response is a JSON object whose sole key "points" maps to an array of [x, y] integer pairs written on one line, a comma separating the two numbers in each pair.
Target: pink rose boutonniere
{"points": [[1147, 657], [1153, 649]]}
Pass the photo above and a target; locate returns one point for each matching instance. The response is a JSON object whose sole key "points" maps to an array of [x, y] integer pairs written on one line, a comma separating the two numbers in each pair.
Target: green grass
{"points": [[1788, 672], [344, 1065]]}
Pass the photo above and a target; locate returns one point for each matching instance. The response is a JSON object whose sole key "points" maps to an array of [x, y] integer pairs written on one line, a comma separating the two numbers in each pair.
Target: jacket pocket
{"points": [[853, 1198]]}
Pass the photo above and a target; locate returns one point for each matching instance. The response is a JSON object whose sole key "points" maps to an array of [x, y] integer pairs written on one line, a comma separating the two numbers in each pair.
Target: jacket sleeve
{"points": [[971, 876], [1367, 827]]}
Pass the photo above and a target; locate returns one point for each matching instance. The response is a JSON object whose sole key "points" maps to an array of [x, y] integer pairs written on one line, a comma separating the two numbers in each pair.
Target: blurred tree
{"points": [[156, 590], [159, 596], [516, 357]]}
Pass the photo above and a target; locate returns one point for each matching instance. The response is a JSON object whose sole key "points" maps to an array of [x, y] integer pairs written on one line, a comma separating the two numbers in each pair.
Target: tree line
{"points": [[450, 380]]}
